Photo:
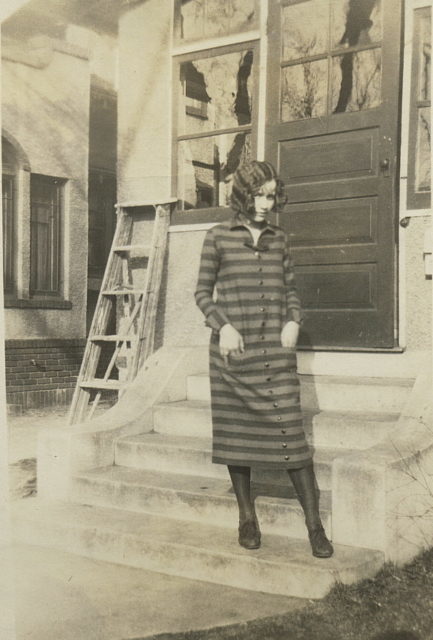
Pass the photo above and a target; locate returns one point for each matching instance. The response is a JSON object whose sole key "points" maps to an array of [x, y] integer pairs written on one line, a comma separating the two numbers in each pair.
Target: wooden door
{"points": [[332, 131]]}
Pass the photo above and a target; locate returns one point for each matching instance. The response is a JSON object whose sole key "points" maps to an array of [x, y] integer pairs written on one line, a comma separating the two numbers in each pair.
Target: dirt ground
{"points": [[22, 444]]}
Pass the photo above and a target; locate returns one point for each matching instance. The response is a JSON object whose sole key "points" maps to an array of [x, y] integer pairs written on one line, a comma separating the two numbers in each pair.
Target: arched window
{"points": [[9, 171]]}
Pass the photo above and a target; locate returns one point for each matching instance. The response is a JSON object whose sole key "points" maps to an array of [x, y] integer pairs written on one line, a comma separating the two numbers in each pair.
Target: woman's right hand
{"points": [[231, 342]]}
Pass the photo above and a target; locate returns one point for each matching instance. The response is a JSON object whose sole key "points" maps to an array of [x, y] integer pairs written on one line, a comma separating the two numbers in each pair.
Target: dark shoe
{"points": [[249, 535], [320, 544]]}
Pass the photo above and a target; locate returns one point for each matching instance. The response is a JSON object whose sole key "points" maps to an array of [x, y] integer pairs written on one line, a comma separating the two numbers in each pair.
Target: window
{"points": [[215, 122], [419, 196], [196, 19], [8, 210], [46, 204], [331, 57]]}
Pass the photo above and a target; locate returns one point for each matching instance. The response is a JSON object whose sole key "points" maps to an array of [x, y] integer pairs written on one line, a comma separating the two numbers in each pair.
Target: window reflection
{"points": [[356, 22], [207, 18], [356, 81], [216, 92], [423, 150], [206, 166], [315, 32], [304, 90], [305, 29], [425, 54]]}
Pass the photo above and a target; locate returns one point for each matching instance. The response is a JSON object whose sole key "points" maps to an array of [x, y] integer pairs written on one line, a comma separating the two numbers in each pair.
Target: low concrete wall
{"points": [[63, 452], [382, 497]]}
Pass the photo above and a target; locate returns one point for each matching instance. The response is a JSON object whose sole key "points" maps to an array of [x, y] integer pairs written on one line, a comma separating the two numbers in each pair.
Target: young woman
{"points": [[255, 318]]}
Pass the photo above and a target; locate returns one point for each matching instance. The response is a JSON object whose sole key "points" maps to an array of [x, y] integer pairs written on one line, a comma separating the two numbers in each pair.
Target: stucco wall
{"points": [[144, 103], [180, 321], [46, 110], [418, 296]]}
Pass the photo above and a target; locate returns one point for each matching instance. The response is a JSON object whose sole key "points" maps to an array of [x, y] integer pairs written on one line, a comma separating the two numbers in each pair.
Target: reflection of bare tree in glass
{"points": [[425, 74], [242, 109], [424, 149], [363, 91], [303, 99], [358, 22], [213, 17]]}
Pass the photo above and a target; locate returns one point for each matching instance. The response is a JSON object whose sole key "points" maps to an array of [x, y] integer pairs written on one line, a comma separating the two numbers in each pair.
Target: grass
{"points": [[396, 605]]}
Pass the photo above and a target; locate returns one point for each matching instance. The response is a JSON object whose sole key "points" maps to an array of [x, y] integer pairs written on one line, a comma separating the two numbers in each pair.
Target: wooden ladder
{"points": [[134, 337]]}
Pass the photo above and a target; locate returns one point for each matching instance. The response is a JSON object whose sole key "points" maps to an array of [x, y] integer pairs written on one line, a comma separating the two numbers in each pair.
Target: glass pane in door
{"points": [[305, 29], [356, 81], [356, 22], [304, 90]]}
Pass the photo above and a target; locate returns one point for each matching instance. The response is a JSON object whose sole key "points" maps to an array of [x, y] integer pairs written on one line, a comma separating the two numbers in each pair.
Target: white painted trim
{"points": [[261, 107], [201, 226], [146, 203], [419, 4], [418, 213], [404, 151], [407, 364], [404, 211], [214, 43]]}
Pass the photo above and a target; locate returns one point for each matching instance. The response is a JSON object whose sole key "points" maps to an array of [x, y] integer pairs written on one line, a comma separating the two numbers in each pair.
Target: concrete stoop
{"points": [[189, 549], [193, 498], [163, 505]]}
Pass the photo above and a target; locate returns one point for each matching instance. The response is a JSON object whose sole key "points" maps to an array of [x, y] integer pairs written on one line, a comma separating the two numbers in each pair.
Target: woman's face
{"points": [[264, 200]]}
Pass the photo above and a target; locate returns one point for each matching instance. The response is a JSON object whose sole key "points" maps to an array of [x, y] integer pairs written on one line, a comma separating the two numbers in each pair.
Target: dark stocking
{"points": [[304, 482], [241, 481]]}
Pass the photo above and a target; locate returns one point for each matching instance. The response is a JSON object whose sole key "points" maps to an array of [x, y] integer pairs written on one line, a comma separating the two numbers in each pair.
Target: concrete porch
{"points": [[136, 486]]}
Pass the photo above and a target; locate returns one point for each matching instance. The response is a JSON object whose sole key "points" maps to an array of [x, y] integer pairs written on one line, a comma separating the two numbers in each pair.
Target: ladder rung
{"points": [[99, 383], [113, 338], [122, 292], [132, 247]]}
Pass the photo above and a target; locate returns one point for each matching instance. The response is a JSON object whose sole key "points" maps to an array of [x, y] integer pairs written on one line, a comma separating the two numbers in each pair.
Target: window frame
{"points": [[194, 216], [416, 199], [55, 253], [9, 240]]}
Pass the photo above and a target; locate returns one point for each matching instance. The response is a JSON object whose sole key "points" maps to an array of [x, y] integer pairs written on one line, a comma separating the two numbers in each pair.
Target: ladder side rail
{"points": [[100, 320], [114, 356], [147, 320]]}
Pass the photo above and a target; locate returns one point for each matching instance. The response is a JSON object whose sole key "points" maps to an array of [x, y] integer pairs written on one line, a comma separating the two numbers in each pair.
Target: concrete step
{"points": [[348, 429], [193, 456], [189, 549], [323, 458], [333, 393], [193, 498], [185, 455]]}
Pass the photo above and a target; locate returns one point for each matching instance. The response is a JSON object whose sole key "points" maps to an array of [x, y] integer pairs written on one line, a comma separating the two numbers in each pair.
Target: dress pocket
{"points": [[274, 359]]}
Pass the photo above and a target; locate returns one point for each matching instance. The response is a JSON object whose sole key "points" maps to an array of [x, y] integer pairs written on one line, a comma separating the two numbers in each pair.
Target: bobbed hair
{"points": [[248, 178]]}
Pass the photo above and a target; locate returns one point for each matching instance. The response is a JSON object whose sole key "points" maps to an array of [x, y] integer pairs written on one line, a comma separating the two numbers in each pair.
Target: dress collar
{"points": [[239, 220]]}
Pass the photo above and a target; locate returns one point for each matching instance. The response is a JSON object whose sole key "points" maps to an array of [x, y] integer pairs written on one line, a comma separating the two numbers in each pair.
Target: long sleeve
{"points": [[209, 265], [293, 304]]}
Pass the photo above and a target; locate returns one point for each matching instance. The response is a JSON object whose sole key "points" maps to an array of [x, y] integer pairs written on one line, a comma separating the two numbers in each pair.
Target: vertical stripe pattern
{"points": [[255, 399]]}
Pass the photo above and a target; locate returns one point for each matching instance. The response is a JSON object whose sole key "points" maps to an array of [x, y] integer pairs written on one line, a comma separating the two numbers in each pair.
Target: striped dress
{"points": [[256, 414]]}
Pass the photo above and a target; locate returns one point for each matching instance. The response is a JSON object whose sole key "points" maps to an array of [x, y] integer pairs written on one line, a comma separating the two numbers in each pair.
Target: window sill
{"points": [[201, 216], [34, 303]]}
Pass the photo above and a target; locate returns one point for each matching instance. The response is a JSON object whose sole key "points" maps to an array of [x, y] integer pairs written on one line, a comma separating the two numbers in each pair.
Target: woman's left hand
{"points": [[289, 334]]}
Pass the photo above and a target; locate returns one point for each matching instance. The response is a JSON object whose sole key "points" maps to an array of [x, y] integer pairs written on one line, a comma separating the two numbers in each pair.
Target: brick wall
{"points": [[41, 372]]}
